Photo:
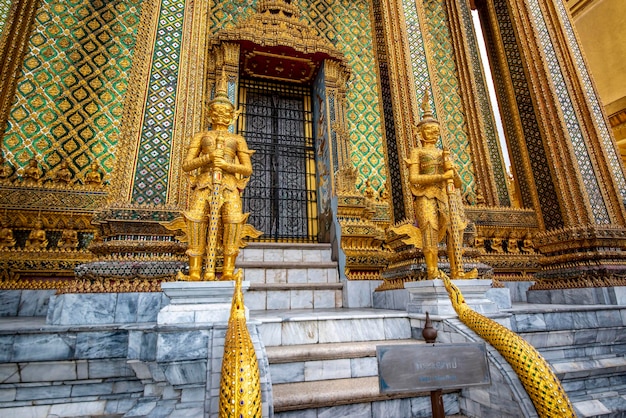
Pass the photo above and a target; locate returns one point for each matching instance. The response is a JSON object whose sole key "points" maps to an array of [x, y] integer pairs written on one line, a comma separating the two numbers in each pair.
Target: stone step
{"points": [[582, 317], [606, 407], [263, 296], [353, 397], [306, 352], [595, 388], [290, 276], [320, 326], [276, 253], [589, 367], [303, 363], [573, 338]]}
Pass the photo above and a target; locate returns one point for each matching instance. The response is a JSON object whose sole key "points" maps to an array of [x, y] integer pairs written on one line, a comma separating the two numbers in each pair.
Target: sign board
{"points": [[428, 367]]}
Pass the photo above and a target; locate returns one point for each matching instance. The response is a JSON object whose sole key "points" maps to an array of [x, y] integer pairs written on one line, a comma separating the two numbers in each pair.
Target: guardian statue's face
{"points": [[221, 113], [430, 133]]}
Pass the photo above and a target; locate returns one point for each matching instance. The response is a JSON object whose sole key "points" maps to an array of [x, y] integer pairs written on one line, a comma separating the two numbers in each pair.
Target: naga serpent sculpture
{"points": [[240, 387], [538, 379]]}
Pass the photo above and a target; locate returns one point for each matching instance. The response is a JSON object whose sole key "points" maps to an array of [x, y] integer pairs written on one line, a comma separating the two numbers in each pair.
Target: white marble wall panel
{"points": [[273, 254], [184, 345], [255, 300], [301, 299], [391, 408], [278, 299], [326, 254], [307, 413], [34, 302], [300, 332], [323, 299], [254, 275], [271, 333], [367, 329], [292, 255], [47, 371], [530, 322], [275, 275], [34, 393], [364, 366], [313, 256], [9, 373], [42, 347], [611, 318], [358, 293], [360, 410], [397, 328], [327, 369], [333, 275], [335, 331], [314, 275], [287, 372], [297, 276], [251, 254]]}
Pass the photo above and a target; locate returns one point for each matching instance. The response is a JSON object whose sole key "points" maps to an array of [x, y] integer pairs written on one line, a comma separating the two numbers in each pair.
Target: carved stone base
{"points": [[431, 296], [198, 302]]}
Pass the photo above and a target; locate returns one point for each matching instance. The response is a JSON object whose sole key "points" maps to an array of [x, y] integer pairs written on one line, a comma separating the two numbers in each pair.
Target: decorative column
{"points": [[565, 159]]}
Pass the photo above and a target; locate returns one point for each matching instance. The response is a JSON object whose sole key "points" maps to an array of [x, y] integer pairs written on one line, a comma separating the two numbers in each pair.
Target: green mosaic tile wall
{"points": [[345, 23], [418, 54], [448, 86], [70, 92], [151, 172], [5, 6]]}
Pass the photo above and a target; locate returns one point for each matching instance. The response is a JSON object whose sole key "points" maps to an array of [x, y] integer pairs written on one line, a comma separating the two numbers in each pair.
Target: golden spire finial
{"points": [[221, 91], [427, 112]]}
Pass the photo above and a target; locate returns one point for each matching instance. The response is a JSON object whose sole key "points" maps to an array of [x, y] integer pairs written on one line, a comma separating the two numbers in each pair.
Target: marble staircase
{"points": [[290, 276], [586, 346], [323, 363]]}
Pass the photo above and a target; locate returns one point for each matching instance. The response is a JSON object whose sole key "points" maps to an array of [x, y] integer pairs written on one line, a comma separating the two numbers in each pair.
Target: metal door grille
{"points": [[281, 196]]}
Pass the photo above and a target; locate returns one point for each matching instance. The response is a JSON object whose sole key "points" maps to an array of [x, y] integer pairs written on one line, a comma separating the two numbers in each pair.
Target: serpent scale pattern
{"points": [[538, 379], [240, 386]]}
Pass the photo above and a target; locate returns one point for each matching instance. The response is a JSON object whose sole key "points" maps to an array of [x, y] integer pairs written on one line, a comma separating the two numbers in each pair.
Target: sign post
{"points": [[432, 367]]}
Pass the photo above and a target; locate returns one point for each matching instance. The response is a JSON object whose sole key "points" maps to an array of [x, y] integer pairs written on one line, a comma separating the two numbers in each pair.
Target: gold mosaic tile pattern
{"points": [[69, 98]]}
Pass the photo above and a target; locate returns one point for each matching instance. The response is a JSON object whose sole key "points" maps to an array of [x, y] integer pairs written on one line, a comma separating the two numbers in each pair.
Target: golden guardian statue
{"points": [[218, 167], [435, 184]]}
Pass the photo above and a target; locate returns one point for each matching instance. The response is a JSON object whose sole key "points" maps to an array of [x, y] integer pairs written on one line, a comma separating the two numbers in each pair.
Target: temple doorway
{"points": [[281, 196]]}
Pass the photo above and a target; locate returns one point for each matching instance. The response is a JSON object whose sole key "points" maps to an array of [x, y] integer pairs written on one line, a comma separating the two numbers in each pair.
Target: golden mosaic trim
{"points": [[49, 199], [14, 282], [578, 237], [585, 281], [134, 103], [13, 47], [402, 86], [523, 277], [114, 284], [189, 116]]}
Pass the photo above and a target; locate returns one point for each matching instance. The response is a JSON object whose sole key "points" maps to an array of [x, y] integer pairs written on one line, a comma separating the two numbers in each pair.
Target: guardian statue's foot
{"points": [[182, 277], [461, 275]]}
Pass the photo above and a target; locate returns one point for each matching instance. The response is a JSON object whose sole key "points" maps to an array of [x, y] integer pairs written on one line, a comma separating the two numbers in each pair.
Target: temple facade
{"points": [[99, 101]]}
